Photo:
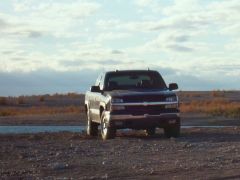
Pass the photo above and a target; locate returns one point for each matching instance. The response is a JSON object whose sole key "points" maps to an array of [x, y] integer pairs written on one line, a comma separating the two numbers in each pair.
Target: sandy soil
{"points": [[197, 154]]}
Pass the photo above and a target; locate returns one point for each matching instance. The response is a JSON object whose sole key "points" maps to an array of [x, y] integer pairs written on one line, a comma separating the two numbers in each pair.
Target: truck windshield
{"points": [[134, 80]]}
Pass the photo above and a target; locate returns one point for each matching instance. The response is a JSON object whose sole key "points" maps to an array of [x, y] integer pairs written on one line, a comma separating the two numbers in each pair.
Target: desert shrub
{"points": [[21, 100], [3, 101], [72, 95], [6, 113], [218, 93], [216, 107], [41, 98], [34, 110]]}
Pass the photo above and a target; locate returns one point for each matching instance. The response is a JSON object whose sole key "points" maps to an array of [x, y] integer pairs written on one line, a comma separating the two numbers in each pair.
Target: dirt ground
{"points": [[200, 153], [51, 119]]}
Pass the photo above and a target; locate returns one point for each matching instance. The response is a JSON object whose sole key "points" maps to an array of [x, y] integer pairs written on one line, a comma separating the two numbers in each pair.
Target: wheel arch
{"points": [[101, 109]]}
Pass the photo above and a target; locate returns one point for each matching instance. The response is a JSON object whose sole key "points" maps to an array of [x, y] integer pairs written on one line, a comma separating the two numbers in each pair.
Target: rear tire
{"points": [[107, 132], [92, 127]]}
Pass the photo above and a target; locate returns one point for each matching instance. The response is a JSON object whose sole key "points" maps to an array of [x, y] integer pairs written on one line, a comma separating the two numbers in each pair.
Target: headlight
{"points": [[171, 99], [116, 100]]}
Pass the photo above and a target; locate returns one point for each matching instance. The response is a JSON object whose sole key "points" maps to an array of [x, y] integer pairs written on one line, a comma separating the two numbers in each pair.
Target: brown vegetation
{"points": [[216, 107], [217, 93], [41, 98], [3, 101], [21, 100], [16, 111], [216, 103]]}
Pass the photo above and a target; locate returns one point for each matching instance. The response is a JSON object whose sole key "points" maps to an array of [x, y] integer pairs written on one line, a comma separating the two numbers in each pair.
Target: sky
{"points": [[59, 46]]}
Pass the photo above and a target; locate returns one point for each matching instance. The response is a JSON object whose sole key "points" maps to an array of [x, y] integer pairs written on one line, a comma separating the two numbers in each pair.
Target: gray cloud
{"points": [[7, 52], [117, 52], [179, 48], [3, 24], [18, 59], [182, 38], [34, 34], [79, 62], [181, 23], [19, 29]]}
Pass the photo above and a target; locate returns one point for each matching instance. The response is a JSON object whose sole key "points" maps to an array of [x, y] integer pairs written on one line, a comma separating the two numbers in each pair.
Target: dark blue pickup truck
{"points": [[135, 99]]}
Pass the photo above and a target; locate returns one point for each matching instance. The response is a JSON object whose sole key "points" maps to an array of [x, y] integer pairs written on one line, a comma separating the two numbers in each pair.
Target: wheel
{"points": [[107, 132], [92, 127], [172, 131], [150, 131]]}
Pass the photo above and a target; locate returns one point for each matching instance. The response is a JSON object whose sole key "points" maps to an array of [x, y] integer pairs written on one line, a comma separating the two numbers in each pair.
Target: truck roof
{"points": [[126, 71]]}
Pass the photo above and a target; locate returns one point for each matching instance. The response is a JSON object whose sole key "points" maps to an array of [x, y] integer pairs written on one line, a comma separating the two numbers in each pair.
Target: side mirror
{"points": [[95, 89], [173, 86]]}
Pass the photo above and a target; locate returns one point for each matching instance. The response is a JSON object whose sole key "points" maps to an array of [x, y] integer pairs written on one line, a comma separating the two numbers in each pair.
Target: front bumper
{"points": [[120, 121]]}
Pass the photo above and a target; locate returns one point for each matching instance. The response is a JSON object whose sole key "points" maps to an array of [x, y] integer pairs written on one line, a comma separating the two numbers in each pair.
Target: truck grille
{"points": [[149, 98], [141, 110]]}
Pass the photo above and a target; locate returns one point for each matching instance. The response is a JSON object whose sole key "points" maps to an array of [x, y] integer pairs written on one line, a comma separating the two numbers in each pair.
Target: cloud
{"points": [[3, 24], [34, 34], [34, 19], [96, 63], [170, 41], [143, 3], [103, 37], [117, 52], [179, 48], [72, 9], [67, 36]]}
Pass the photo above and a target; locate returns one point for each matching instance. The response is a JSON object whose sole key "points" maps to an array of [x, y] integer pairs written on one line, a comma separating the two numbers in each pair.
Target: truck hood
{"points": [[140, 92]]}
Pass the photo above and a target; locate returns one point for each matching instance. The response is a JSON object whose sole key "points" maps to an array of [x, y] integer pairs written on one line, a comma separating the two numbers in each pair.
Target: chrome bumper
{"points": [[111, 117]]}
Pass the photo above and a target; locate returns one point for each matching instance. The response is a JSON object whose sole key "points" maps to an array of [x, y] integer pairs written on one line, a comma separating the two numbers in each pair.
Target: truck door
{"points": [[95, 102]]}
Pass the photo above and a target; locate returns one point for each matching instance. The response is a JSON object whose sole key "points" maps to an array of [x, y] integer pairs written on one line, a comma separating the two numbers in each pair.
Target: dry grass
{"points": [[216, 107], [3, 101], [17, 111], [216, 103], [21, 100]]}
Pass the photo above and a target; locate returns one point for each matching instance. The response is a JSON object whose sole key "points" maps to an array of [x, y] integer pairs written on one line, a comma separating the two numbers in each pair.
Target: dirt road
{"points": [[197, 154]]}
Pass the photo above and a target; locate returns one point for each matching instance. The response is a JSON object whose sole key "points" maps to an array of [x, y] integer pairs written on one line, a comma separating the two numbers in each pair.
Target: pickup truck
{"points": [[133, 99]]}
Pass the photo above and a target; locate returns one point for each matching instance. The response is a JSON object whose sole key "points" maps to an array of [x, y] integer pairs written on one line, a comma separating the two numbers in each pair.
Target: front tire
{"points": [[107, 132], [92, 127]]}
